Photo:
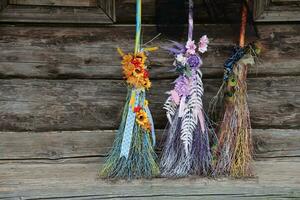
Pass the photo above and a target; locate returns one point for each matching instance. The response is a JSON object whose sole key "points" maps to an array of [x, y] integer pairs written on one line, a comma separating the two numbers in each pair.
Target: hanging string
{"points": [[138, 26], [191, 21], [243, 25]]}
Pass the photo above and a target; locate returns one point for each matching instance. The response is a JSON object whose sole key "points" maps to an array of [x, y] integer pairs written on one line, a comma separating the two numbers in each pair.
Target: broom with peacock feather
{"points": [[234, 150], [132, 155], [187, 148]]}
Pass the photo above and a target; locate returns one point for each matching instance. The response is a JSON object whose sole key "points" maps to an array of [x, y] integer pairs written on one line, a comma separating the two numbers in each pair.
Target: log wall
{"points": [[62, 94]]}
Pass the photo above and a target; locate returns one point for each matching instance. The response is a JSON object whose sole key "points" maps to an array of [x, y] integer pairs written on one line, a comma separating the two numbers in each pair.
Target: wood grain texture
{"points": [[42, 105], [49, 14], [275, 180], [49, 52], [58, 147], [88, 3]]}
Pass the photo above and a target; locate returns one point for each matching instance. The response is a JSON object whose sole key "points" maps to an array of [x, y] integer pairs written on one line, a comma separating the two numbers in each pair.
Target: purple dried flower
{"points": [[194, 61], [182, 86]]}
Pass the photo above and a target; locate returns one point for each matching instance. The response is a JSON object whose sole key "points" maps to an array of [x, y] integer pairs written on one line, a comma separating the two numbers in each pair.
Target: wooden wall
{"points": [[89, 92], [62, 94]]}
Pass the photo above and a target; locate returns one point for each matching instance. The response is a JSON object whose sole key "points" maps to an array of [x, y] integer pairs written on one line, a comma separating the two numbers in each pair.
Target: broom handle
{"points": [[243, 75], [191, 20], [243, 26], [138, 26]]}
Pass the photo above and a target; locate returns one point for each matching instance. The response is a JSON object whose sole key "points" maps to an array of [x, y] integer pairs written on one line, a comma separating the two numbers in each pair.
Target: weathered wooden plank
{"points": [[42, 105], [275, 179], [279, 16], [43, 52], [48, 14], [55, 2], [60, 146]]}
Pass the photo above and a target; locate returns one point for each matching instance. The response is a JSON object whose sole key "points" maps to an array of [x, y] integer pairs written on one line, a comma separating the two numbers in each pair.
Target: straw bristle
{"points": [[141, 162], [235, 144]]}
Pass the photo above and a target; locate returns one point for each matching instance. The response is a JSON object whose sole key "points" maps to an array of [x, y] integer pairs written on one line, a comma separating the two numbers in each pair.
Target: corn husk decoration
{"points": [[234, 150], [132, 155], [187, 148]]}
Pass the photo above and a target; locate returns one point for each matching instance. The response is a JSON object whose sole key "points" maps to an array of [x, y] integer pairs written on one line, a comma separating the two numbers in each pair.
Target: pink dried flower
{"points": [[203, 43], [191, 47]]}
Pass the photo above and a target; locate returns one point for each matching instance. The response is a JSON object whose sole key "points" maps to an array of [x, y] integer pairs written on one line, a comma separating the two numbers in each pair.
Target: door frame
{"points": [[109, 7]]}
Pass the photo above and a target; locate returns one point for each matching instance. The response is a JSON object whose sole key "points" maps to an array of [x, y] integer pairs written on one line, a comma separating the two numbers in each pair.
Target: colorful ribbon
{"points": [[130, 121]]}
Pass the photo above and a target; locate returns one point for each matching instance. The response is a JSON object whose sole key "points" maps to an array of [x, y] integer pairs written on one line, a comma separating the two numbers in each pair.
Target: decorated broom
{"points": [[132, 155], [234, 151], [187, 148]]}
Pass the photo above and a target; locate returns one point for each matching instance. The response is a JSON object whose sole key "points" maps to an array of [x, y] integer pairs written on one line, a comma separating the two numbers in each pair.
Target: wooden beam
{"points": [[275, 180], [43, 52], [42, 105], [58, 147]]}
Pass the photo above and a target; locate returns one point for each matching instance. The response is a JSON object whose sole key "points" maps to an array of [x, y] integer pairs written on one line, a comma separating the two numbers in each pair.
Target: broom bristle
{"points": [[235, 143]]}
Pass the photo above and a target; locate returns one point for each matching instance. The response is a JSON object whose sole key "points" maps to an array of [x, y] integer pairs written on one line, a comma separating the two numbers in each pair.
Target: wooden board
{"points": [[43, 105], [88, 3], [58, 147], [275, 180], [49, 52], [48, 14]]}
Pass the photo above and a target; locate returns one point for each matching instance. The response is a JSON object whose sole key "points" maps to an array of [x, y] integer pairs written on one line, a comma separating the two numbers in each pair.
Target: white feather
{"points": [[170, 106], [190, 115]]}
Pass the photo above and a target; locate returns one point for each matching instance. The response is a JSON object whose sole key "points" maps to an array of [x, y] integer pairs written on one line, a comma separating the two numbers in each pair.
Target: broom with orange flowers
{"points": [[234, 150], [132, 155]]}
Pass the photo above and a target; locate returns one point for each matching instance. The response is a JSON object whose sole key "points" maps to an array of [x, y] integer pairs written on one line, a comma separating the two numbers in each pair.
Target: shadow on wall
{"points": [[171, 15]]}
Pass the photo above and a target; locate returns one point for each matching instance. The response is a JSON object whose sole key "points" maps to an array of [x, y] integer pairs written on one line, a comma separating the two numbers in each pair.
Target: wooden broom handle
{"points": [[243, 25]]}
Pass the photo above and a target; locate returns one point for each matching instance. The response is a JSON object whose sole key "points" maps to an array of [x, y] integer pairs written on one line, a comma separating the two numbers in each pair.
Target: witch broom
{"points": [[234, 151], [132, 155], [187, 147]]}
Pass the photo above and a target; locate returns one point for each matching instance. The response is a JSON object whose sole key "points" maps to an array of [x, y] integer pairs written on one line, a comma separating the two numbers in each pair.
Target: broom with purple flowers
{"points": [[187, 149]]}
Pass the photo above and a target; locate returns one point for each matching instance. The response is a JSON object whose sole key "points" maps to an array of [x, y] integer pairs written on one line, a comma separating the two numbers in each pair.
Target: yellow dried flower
{"points": [[141, 117], [147, 83], [127, 59]]}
